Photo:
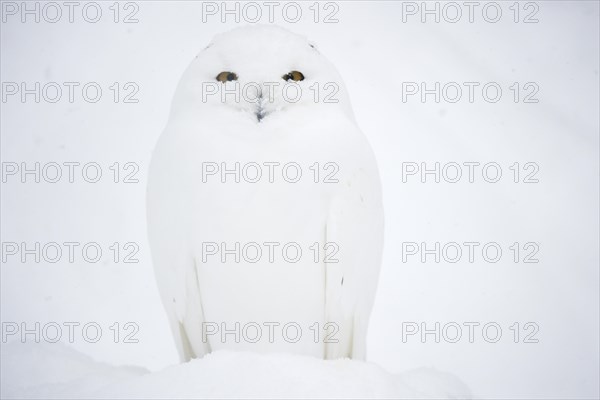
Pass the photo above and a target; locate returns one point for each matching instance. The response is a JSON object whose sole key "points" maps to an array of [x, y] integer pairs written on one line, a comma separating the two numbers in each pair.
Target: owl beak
{"points": [[261, 112]]}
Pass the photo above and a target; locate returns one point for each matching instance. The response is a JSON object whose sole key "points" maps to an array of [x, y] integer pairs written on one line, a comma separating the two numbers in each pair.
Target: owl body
{"points": [[265, 218]]}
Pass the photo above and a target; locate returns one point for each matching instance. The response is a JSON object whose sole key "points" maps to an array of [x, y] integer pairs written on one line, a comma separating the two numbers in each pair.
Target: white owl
{"points": [[264, 203]]}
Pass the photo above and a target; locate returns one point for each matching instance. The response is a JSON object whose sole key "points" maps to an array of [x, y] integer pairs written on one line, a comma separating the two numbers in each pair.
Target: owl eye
{"points": [[293, 76], [227, 76]]}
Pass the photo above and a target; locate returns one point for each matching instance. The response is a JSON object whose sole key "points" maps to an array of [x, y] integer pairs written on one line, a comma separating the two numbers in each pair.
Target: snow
{"points": [[47, 370], [375, 52], [57, 371]]}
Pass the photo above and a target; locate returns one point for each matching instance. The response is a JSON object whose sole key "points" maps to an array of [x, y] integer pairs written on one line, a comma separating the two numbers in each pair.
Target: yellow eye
{"points": [[227, 76], [293, 76]]}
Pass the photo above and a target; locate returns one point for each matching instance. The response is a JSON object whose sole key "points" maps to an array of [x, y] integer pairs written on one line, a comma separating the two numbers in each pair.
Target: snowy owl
{"points": [[264, 205]]}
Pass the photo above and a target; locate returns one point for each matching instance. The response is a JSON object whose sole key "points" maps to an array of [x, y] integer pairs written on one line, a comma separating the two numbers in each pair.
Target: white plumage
{"points": [[187, 210]]}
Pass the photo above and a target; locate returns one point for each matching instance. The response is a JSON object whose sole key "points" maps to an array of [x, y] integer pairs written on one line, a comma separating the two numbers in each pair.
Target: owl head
{"points": [[257, 74]]}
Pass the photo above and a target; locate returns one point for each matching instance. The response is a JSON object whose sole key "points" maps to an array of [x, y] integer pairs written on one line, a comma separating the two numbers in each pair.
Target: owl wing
{"points": [[355, 226], [178, 285], [173, 260]]}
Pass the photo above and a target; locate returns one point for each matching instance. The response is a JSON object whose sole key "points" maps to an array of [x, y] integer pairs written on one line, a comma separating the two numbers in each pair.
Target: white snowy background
{"points": [[375, 51]]}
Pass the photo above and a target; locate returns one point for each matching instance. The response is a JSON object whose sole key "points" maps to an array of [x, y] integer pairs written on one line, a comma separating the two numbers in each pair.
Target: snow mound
{"points": [[57, 371], [54, 370]]}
